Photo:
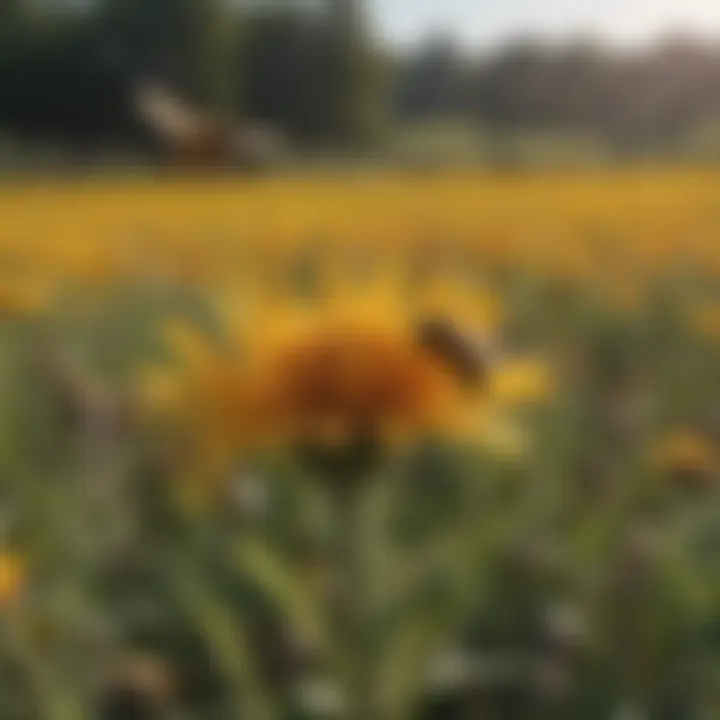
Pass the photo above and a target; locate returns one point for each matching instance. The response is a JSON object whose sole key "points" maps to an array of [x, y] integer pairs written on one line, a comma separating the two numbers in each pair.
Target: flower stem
{"points": [[351, 602]]}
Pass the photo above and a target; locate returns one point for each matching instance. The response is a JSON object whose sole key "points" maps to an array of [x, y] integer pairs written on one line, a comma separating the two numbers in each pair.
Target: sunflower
{"points": [[340, 377], [200, 404], [23, 297], [343, 377]]}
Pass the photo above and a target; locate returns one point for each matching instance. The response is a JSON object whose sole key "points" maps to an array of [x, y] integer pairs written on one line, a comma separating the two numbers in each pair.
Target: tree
{"points": [[353, 74], [191, 44], [12, 16], [431, 81], [218, 60]]}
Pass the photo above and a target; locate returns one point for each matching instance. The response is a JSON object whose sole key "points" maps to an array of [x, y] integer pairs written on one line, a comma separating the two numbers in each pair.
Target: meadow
{"points": [[366, 446]]}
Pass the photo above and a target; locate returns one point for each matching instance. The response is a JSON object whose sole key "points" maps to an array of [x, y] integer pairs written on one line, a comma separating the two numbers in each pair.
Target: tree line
{"points": [[632, 98], [313, 69], [69, 71]]}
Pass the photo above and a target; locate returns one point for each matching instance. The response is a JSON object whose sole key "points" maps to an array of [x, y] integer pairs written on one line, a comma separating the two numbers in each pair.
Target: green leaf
{"points": [[283, 589], [228, 642]]}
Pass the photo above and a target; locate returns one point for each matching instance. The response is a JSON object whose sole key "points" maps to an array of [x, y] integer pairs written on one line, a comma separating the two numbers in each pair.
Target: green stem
{"points": [[351, 602]]}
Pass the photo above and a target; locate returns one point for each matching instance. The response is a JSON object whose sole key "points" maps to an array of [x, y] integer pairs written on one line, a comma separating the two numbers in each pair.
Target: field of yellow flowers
{"points": [[373, 446]]}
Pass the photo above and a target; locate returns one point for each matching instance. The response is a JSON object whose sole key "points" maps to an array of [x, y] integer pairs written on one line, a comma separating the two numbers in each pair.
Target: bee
{"points": [[465, 355], [193, 137]]}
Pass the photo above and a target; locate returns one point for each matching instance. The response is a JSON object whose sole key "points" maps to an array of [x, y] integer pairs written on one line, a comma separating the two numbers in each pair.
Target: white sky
{"points": [[487, 22]]}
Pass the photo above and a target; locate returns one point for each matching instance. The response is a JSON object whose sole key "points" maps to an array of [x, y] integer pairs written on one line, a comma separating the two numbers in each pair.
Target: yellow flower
{"points": [[12, 577], [379, 361], [325, 372], [340, 378], [202, 401], [688, 457], [22, 297]]}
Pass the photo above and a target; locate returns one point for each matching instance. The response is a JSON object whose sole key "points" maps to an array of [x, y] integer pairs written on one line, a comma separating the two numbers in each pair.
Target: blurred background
{"points": [[123, 81], [359, 360]]}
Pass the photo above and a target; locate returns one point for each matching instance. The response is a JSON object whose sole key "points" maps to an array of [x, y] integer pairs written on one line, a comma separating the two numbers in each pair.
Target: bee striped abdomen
{"points": [[462, 353]]}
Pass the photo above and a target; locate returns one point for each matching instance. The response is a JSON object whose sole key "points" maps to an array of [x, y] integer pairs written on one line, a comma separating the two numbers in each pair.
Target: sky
{"points": [[488, 22]]}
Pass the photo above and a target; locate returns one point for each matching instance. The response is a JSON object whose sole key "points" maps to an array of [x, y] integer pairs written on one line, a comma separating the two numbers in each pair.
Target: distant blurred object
{"points": [[191, 137], [139, 688]]}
